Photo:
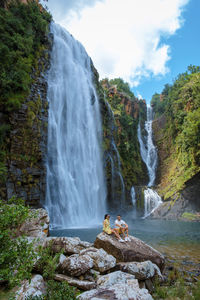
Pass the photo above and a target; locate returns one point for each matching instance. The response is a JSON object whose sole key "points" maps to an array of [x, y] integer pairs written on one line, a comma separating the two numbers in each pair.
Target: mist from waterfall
{"points": [[76, 189], [149, 155]]}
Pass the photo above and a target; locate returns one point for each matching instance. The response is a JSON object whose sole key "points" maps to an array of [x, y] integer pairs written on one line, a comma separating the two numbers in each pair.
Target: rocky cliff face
{"points": [[124, 167], [27, 140]]}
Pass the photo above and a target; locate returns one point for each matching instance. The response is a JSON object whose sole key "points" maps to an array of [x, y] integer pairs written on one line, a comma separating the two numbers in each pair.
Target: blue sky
{"points": [[185, 50], [147, 42]]}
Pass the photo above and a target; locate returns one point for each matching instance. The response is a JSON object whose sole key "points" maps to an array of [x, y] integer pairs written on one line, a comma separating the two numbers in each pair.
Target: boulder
{"points": [[141, 270], [68, 244], [80, 284], [134, 250], [102, 260], [35, 288], [118, 286], [37, 225], [75, 265], [116, 277]]}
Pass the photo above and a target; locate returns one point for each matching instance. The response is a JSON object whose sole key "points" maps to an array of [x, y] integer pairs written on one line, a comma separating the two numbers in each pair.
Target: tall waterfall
{"points": [[148, 151], [76, 192], [149, 155]]}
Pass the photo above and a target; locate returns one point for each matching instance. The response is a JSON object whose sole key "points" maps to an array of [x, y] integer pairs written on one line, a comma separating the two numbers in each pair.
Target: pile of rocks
{"points": [[106, 270]]}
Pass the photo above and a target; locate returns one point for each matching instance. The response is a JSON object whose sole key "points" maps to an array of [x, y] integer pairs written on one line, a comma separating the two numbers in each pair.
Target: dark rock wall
{"points": [[131, 167], [27, 143]]}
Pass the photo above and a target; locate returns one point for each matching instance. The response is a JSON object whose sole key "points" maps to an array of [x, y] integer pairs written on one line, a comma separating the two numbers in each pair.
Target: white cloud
{"points": [[139, 96], [123, 36]]}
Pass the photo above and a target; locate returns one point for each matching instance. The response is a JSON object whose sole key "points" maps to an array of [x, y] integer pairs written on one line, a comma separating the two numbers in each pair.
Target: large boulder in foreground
{"points": [[102, 260], [118, 286], [135, 250], [141, 270], [76, 265]]}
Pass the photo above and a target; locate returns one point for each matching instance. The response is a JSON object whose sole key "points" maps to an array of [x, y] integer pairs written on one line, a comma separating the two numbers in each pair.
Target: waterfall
{"points": [[148, 151], [149, 155], [133, 199], [152, 201], [76, 192], [151, 158]]}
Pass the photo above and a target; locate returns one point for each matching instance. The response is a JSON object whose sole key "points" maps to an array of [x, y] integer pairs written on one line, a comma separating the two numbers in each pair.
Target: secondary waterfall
{"points": [[149, 155], [152, 201], [76, 192], [148, 151], [133, 199]]}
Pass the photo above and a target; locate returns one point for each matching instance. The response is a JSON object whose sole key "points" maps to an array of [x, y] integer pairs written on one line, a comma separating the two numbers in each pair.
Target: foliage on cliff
{"points": [[127, 110], [22, 32], [23, 35], [179, 104]]}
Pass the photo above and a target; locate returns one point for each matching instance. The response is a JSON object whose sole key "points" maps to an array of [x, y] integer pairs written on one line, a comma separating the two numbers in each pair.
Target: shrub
{"points": [[16, 254]]}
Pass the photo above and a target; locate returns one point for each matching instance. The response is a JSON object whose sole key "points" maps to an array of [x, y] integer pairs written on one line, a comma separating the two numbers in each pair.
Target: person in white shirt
{"points": [[122, 228]]}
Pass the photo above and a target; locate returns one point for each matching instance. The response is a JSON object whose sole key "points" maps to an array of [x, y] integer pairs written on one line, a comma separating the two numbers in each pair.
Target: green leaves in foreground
{"points": [[16, 254]]}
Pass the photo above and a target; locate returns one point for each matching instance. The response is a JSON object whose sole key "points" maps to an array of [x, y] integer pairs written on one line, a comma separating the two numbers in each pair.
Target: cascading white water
{"points": [[148, 151], [149, 155], [151, 158], [76, 192], [152, 201], [133, 199]]}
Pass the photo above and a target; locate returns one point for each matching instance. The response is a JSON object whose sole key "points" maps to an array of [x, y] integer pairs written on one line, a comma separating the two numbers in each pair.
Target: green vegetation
{"points": [[176, 287], [16, 255], [23, 31], [190, 216], [180, 104], [60, 291], [122, 87], [23, 35], [48, 261]]}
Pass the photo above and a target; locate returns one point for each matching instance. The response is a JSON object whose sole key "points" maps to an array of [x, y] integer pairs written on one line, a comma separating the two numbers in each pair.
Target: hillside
{"points": [[177, 135]]}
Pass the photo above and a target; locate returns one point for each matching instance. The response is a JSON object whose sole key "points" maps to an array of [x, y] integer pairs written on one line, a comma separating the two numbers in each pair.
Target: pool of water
{"points": [[178, 241], [154, 232]]}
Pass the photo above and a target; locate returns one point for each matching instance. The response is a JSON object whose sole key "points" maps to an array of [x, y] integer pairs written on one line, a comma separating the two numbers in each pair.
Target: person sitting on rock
{"points": [[122, 228], [107, 229]]}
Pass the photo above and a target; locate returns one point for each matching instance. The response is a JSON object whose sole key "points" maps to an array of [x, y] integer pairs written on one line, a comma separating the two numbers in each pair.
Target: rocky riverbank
{"points": [[106, 269]]}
